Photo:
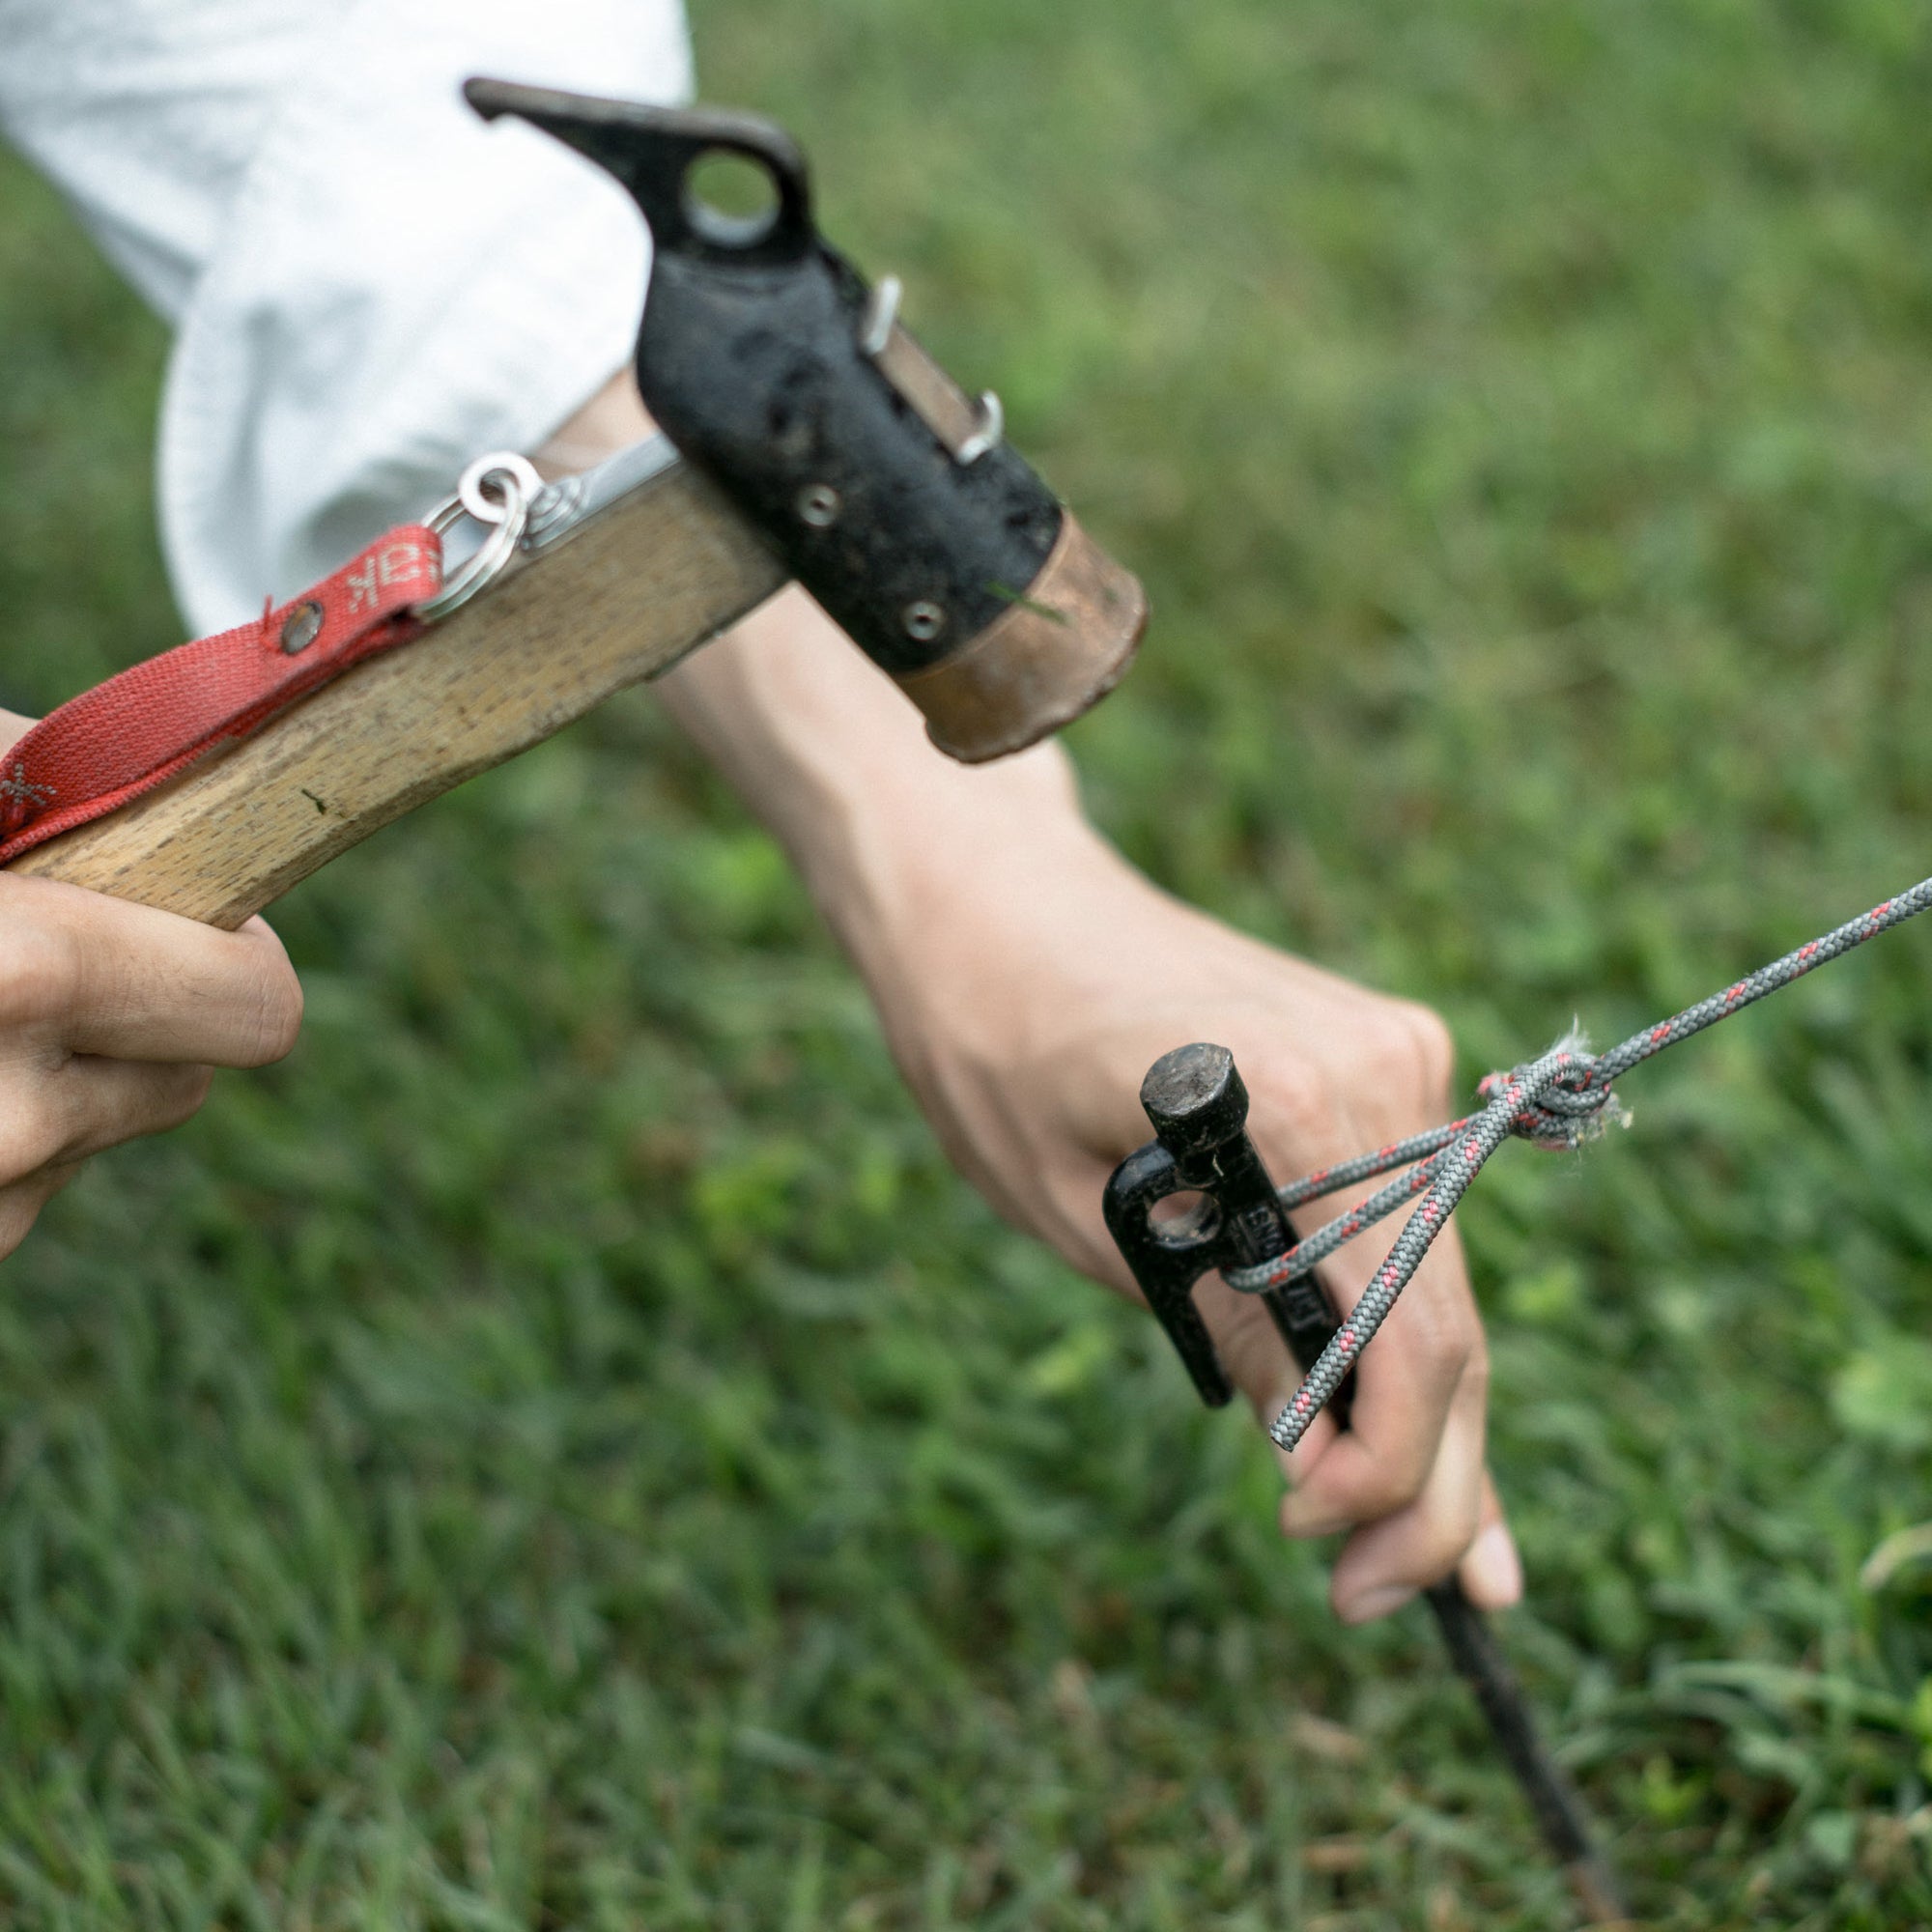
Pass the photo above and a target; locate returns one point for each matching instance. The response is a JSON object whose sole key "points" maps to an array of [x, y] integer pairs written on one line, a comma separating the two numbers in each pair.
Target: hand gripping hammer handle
{"points": [[1199, 1108]]}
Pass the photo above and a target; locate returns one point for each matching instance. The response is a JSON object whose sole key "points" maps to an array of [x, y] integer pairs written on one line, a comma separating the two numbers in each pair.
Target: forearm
{"points": [[887, 830]]}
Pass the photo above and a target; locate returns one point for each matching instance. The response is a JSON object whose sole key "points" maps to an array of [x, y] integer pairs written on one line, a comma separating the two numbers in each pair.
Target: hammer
{"points": [[807, 436], [1198, 1105]]}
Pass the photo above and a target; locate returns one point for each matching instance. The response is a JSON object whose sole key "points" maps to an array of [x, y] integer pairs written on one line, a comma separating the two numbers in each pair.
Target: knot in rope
{"points": [[1561, 1101], [1570, 1104]]}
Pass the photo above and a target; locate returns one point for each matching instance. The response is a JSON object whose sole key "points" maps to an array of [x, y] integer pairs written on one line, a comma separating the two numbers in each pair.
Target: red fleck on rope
{"points": [[1557, 1101]]}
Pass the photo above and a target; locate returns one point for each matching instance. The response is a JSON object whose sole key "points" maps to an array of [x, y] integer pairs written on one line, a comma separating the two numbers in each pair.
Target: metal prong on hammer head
{"points": [[882, 310], [990, 427]]}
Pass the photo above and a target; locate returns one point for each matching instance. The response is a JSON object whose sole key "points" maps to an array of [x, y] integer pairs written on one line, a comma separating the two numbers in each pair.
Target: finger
{"points": [[1492, 1568], [1385, 1563], [67, 1112], [1404, 1386], [130, 983], [1260, 1367], [21, 1203], [12, 729], [1405, 1382]]}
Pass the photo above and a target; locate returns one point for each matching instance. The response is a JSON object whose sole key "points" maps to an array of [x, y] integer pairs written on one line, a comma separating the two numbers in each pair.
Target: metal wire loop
{"points": [[497, 491]]}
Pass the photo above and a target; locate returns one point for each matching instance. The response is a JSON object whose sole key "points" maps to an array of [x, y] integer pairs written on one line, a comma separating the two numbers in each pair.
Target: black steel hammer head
{"points": [[889, 492]]}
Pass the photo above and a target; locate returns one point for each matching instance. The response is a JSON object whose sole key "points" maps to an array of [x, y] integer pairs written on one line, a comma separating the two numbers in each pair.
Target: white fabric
{"points": [[369, 286]]}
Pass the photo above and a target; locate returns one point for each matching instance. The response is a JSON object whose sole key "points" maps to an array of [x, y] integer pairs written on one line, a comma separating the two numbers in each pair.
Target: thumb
{"points": [[1260, 1366], [1491, 1569]]}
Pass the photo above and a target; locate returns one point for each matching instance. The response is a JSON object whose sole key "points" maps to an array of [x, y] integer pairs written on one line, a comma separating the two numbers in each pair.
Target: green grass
{"points": [[562, 1450]]}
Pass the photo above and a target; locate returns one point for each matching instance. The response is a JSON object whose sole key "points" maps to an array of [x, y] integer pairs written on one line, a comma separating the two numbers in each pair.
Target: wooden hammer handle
{"points": [[637, 586]]}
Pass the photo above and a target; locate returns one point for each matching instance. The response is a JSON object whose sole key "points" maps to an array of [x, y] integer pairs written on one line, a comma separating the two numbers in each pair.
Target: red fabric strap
{"points": [[125, 737]]}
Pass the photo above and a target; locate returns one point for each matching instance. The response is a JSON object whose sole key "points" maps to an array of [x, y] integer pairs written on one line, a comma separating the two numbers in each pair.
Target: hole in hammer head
{"points": [[731, 199]]}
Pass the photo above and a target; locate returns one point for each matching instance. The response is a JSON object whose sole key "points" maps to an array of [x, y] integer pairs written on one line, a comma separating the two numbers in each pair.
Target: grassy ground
{"points": [[563, 1450]]}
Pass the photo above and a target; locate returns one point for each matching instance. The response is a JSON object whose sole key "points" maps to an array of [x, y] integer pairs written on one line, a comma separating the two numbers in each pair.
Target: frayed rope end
{"points": [[1564, 1113]]}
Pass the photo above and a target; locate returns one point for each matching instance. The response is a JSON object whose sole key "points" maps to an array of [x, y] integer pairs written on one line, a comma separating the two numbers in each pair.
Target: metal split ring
{"points": [[495, 490]]}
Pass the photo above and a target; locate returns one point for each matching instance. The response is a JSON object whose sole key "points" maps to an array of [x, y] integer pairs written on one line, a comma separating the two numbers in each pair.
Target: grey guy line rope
{"points": [[1560, 1100]]}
